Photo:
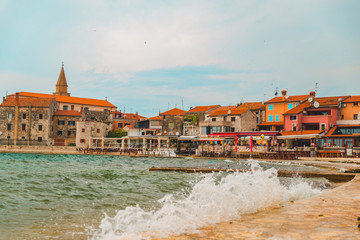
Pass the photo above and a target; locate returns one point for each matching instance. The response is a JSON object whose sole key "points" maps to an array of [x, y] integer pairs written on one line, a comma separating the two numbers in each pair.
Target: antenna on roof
{"points": [[182, 102], [62, 64], [276, 91], [105, 98], [316, 87]]}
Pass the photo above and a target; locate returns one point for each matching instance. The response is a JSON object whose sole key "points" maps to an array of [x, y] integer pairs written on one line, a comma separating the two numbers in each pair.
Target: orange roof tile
{"points": [[67, 113], [202, 108], [323, 102], [221, 108], [304, 132], [233, 111], [352, 99], [68, 99], [271, 124], [296, 98], [156, 118], [175, 112], [10, 101], [252, 105], [331, 131], [132, 116]]}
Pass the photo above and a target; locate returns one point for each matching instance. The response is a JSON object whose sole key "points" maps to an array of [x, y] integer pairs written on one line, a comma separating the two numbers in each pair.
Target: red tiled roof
{"points": [[271, 123], [352, 99], [234, 111], [331, 131], [67, 113], [252, 105], [156, 118], [221, 109], [304, 132], [68, 99], [132, 116], [10, 101], [323, 101], [175, 112], [202, 108], [296, 98]]}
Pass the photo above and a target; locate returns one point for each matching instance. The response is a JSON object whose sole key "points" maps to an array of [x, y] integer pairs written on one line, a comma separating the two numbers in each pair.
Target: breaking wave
{"points": [[213, 198]]}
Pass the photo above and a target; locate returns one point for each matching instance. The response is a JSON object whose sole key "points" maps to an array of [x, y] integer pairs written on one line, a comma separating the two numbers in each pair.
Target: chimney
{"points": [[312, 94], [283, 93], [3, 99], [17, 99]]}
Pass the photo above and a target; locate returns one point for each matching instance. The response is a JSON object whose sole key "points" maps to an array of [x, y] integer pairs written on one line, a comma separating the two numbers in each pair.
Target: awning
{"points": [[304, 136], [241, 134]]}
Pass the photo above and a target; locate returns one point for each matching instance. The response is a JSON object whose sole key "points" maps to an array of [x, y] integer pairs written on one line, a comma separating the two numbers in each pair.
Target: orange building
{"points": [[276, 107], [121, 120], [350, 111]]}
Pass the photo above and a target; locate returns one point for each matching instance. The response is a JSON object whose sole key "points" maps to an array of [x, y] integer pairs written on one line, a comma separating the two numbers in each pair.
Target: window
{"points": [[213, 119], [98, 130], [171, 125], [120, 125], [9, 115], [322, 126], [356, 104], [23, 127], [24, 116], [60, 133], [40, 127], [271, 107], [276, 118], [39, 139], [72, 107], [271, 118], [40, 116], [294, 128], [23, 137], [290, 106], [227, 129], [71, 123], [216, 129], [86, 109], [233, 119], [83, 130], [232, 129], [82, 140], [69, 133], [342, 116], [293, 117], [61, 122], [355, 116], [296, 104], [224, 118], [65, 107], [9, 126]]}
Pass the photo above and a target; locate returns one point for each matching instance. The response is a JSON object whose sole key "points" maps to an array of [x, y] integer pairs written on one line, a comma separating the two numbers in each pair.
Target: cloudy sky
{"points": [[148, 56]]}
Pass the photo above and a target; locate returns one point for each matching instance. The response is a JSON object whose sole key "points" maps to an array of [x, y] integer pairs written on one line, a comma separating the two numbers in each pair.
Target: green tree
{"points": [[117, 133]]}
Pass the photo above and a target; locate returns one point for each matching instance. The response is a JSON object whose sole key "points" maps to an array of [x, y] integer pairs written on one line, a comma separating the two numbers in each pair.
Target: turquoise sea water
{"points": [[67, 196]]}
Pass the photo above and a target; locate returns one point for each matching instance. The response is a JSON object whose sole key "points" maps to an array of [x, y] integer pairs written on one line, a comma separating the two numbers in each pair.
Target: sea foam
{"points": [[213, 198]]}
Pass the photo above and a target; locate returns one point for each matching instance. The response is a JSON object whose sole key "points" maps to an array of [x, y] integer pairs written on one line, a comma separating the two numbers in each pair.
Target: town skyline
{"points": [[151, 57]]}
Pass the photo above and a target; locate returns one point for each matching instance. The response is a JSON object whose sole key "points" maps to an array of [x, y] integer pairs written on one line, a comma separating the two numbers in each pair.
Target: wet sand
{"points": [[331, 215]]}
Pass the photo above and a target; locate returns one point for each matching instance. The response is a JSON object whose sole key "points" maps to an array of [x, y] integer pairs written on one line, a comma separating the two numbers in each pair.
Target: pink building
{"points": [[314, 114]]}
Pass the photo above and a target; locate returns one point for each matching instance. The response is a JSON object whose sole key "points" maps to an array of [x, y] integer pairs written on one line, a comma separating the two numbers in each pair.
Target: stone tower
{"points": [[61, 85]]}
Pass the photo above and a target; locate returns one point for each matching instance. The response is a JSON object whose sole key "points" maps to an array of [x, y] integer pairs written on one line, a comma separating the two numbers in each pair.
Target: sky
{"points": [[149, 56]]}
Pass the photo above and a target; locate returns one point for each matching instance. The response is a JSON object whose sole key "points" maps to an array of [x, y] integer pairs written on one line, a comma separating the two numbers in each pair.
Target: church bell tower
{"points": [[61, 85]]}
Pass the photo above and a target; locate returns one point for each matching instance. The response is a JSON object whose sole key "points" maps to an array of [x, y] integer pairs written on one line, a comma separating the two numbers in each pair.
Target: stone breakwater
{"points": [[331, 215]]}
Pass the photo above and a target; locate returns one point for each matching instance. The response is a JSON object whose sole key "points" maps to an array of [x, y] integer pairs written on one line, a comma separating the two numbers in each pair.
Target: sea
{"points": [[99, 197]]}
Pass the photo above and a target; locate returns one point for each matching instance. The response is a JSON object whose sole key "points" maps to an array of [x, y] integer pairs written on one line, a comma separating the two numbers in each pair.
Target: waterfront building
{"points": [[277, 106], [26, 120], [121, 120], [172, 121], [229, 120], [193, 117], [48, 119]]}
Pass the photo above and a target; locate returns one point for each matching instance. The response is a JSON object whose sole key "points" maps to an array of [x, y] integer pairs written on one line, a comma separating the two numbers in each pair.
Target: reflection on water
{"points": [[67, 196]]}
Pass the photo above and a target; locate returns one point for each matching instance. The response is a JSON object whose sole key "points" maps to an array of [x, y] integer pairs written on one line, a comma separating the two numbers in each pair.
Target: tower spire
{"points": [[61, 85]]}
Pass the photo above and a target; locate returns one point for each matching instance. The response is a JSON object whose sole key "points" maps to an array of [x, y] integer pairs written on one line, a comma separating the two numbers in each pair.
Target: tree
{"points": [[117, 133]]}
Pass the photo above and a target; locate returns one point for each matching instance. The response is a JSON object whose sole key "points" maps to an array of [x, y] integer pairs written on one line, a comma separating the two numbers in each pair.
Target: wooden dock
{"points": [[331, 176]]}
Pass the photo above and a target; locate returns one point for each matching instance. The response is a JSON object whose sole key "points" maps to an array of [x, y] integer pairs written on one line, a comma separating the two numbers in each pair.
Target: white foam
{"points": [[212, 199]]}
